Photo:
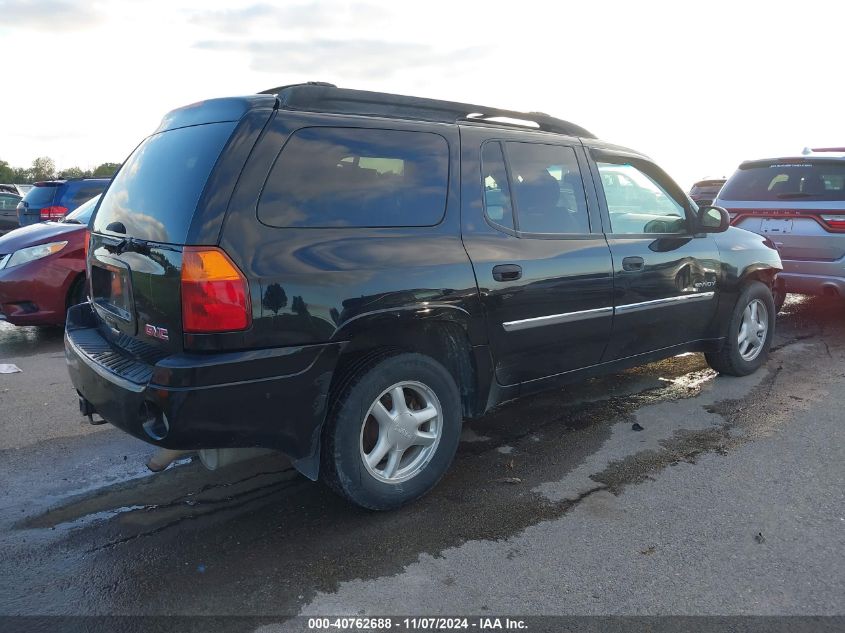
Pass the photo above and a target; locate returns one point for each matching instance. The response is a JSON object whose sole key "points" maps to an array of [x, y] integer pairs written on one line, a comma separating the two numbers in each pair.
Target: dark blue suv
{"points": [[53, 199]]}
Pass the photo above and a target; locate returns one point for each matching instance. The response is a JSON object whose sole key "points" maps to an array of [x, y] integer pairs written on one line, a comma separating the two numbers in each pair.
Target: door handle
{"points": [[507, 272], [632, 264]]}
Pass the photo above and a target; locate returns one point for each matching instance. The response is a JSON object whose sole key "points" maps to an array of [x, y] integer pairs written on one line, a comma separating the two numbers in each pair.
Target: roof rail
{"points": [[325, 97]]}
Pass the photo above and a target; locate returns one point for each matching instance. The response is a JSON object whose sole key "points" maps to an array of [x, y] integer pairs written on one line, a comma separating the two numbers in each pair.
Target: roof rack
{"points": [[316, 96]]}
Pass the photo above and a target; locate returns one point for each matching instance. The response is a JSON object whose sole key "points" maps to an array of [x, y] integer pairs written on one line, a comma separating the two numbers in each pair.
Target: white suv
{"points": [[798, 202]]}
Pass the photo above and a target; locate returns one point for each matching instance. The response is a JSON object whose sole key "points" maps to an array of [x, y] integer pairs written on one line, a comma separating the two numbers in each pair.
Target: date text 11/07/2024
{"points": [[417, 624]]}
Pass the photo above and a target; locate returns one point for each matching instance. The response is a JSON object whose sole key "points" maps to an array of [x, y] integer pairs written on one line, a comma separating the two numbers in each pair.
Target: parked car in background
{"points": [[6, 188], [799, 203], [42, 268], [704, 192], [52, 199], [8, 211]]}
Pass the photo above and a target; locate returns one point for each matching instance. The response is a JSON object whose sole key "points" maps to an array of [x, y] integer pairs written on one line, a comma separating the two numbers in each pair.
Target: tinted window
{"points": [[41, 196], [637, 204], [548, 189], [497, 195], [787, 181], [81, 192], [351, 177], [155, 193]]}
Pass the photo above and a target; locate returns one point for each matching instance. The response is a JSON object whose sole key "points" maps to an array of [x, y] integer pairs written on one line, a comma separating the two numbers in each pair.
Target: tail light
{"points": [[87, 239], [215, 294], [833, 222], [53, 213]]}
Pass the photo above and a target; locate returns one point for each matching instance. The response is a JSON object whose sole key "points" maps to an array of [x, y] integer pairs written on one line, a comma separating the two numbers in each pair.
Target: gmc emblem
{"points": [[156, 332]]}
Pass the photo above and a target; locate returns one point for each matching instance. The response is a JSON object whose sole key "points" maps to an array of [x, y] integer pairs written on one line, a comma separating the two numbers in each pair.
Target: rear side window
{"points": [[356, 177], [497, 195], [771, 181], [41, 196], [548, 188], [155, 193]]}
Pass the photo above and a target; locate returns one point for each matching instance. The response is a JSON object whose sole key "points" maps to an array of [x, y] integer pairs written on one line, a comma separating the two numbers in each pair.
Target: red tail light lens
{"points": [[215, 294], [834, 222], [87, 239], [53, 213]]}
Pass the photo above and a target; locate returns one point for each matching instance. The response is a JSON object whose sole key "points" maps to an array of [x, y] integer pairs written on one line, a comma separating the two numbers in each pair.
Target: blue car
{"points": [[52, 199]]}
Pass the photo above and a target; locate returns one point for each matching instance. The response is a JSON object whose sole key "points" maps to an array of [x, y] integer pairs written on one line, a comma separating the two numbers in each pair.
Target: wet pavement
{"points": [[729, 500]]}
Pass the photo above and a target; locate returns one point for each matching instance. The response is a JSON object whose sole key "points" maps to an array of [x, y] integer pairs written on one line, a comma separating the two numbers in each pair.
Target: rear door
{"points": [[798, 203], [666, 277], [543, 267], [139, 232], [41, 195]]}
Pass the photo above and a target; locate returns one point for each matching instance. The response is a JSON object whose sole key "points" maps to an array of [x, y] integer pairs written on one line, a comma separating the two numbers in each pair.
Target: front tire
{"points": [[749, 335], [392, 432]]}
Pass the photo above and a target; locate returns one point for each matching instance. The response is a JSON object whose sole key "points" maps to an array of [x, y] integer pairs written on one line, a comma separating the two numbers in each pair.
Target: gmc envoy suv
{"points": [[345, 276]]}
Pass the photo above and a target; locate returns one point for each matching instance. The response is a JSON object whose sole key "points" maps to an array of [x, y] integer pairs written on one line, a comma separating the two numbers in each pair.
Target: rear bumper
{"points": [[813, 278], [271, 398]]}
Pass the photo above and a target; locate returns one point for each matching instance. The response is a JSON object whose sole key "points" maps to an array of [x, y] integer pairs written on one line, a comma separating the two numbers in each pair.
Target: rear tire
{"points": [[750, 332], [392, 432]]}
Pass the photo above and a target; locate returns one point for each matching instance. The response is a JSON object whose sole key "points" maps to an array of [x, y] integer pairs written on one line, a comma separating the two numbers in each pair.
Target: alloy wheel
{"points": [[401, 431]]}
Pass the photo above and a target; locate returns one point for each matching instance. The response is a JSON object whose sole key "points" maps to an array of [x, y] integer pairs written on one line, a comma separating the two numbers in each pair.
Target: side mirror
{"points": [[713, 219]]}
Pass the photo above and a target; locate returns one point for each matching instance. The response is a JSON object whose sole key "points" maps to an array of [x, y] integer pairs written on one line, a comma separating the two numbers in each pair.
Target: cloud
{"points": [[311, 15], [354, 59], [48, 15]]}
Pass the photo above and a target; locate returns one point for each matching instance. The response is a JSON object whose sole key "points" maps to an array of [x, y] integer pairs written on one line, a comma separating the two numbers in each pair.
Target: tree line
{"points": [[44, 168]]}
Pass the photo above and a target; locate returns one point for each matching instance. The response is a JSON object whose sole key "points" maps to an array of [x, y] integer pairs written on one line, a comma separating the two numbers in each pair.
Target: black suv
{"points": [[53, 199], [346, 275]]}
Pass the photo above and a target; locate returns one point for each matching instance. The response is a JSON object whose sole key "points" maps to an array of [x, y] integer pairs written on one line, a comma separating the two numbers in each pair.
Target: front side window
{"points": [[547, 188], [357, 177], [637, 204]]}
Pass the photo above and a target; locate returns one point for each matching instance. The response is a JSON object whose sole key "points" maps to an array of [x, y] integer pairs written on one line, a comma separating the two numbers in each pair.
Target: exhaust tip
{"points": [[155, 424]]}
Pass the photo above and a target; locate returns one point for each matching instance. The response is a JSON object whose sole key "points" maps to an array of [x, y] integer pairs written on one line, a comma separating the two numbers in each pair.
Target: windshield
{"points": [[787, 180], [154, 195], [82, 213]]}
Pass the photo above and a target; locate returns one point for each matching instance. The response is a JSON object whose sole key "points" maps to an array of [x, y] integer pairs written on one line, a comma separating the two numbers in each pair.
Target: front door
{"points": [[542, 265], [666, 276]]}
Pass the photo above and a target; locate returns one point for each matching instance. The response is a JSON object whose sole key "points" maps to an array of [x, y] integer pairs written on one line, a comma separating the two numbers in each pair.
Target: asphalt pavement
{"points": [[729, 501]]}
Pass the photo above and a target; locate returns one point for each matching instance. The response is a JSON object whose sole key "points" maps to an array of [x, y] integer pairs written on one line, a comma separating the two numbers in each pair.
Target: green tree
{"points": [[43, 168], [7, 172], [22, 175], [75, 172], [106, 170]]}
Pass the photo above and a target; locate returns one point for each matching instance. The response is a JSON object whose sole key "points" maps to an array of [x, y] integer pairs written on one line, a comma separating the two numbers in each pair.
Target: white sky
{"points": [[698, 85]]}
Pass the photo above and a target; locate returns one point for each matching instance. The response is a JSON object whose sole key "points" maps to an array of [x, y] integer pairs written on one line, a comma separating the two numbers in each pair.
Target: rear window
{"points": [[155, 193], [40, 196], [355, 177], [81, 192], [798, 180]]}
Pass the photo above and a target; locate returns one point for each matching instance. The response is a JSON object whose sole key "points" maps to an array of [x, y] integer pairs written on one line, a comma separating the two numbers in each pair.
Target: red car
{"points": [[42, 269]]}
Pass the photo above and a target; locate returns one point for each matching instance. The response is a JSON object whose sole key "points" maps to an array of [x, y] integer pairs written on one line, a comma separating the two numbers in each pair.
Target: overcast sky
{"points": [[699, 86]]}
